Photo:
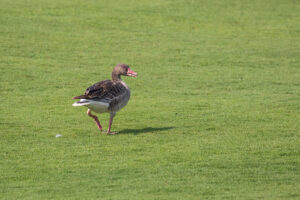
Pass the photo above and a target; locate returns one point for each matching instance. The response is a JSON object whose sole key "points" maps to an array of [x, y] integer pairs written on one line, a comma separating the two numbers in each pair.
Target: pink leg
{"points": [[110, 123], [89, 112]]}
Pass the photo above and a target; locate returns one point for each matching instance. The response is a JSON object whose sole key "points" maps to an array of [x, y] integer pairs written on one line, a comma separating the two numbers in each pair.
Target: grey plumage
{"points": [[108, 95]]}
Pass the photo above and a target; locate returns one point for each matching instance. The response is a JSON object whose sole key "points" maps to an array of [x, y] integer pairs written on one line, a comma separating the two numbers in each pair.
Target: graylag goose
{"points": [[107, 96]]}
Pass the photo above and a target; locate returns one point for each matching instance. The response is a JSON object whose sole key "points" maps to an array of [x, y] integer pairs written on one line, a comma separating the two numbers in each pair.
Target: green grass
{"points": [[214, 113]]}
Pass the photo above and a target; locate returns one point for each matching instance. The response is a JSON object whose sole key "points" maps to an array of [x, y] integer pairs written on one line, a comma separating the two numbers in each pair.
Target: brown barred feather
{"points": [[106, 90]]}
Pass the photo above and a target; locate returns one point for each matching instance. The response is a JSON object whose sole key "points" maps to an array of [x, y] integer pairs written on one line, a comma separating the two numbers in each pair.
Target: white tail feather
{"points": [[96, 106], [80, 104]]}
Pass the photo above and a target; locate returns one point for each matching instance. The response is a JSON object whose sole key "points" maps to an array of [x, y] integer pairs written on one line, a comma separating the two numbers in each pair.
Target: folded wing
{"points": [[104, 91]]}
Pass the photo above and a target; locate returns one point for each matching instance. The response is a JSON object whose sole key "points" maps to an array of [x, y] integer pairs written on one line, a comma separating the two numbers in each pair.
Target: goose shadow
{"points": [[144, 130]]}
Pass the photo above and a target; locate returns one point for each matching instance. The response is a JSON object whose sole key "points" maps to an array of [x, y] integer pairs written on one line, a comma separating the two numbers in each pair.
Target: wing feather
{"points": [[105, 91]]}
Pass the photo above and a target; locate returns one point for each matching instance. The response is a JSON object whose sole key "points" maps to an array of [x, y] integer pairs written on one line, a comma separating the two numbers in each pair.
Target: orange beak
{"points": [[131, 73]]}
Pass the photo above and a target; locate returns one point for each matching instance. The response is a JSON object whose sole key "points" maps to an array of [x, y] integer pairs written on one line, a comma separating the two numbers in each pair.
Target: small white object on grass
{"points": [[58, 135]]}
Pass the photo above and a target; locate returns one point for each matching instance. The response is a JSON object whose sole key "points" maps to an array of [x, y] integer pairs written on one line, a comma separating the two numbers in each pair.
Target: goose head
{"points": [[122, 69]]}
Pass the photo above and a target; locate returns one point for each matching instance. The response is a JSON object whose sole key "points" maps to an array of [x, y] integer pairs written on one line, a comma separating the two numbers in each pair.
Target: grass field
{"points": [[214, 112]]}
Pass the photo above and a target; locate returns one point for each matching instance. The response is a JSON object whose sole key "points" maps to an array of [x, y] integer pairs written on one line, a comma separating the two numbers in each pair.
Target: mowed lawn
{"points": [[214, 112]]}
